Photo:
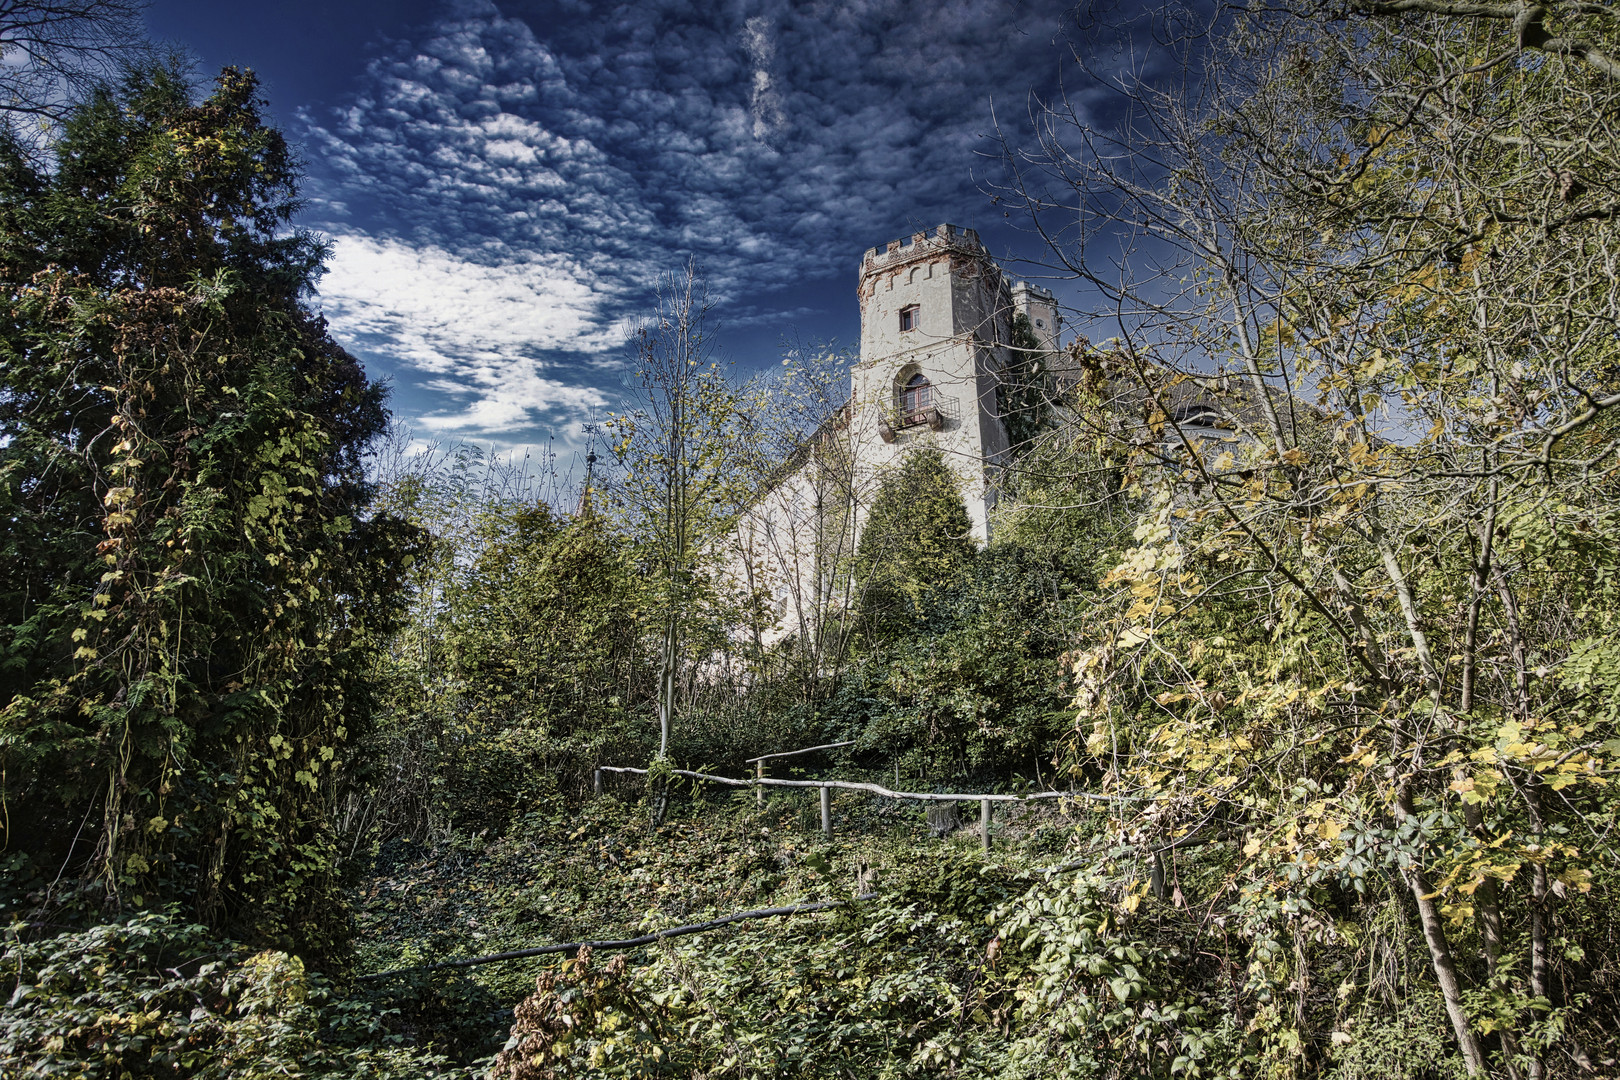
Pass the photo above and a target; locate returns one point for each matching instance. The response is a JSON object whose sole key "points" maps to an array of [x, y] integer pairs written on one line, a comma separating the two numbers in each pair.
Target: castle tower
{"points": [[936, 321], [1039, 306]]}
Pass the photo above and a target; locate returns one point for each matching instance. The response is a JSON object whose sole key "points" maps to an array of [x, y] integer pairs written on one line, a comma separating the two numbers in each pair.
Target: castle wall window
{"points": [[916, 398], [908, 318]]}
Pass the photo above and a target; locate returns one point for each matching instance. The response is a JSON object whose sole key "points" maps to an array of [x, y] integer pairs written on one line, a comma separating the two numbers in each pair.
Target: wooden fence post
{"points": [[596, 782], [826, 810], [759, 792], [984, 823]]}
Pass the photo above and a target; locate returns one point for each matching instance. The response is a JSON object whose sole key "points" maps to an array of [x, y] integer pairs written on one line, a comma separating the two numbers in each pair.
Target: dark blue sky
{"points": [[504, 183]]}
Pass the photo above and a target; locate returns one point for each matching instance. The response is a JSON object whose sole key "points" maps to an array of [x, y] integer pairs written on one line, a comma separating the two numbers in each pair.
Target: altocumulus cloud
{"points": [[505, 190], [476, 326]]}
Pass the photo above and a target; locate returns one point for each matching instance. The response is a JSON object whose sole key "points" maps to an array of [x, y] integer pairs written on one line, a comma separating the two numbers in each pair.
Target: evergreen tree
{"points": [[188, 584], [917, 539]]}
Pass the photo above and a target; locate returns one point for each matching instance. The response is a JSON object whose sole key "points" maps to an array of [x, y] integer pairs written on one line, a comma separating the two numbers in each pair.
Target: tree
{"points": [[190, 583], [1378, 254], [789, 551], [521, 663], [682, 478], [916, 541], [1583, 32]]}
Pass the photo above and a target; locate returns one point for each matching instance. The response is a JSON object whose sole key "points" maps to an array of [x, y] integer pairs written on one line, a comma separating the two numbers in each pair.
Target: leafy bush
{"points": [[153, 997]]}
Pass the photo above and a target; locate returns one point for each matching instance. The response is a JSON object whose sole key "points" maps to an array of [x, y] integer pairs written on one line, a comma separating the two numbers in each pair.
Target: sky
{"points": [[505, 184]]}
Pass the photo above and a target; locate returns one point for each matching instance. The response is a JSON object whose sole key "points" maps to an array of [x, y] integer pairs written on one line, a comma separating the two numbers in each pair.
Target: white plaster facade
{"points": [[932, 304], [958, 336]]}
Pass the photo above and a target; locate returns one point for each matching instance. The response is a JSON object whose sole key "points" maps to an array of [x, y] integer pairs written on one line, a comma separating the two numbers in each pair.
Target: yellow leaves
{"points": [[1577, 876], [1375, 364], [1364, 456], [1151, 532], [1329, 830], [1147, 608]]}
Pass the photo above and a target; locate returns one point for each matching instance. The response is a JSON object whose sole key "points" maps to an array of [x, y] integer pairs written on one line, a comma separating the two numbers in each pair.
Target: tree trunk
{"points": [[1445, 968], [666, 712]]}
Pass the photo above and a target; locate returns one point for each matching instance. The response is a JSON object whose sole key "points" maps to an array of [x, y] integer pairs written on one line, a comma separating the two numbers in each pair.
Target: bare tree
{"points": [[56, 52]]}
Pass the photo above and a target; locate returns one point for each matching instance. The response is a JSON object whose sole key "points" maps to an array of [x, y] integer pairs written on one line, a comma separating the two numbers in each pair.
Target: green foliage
{"points": [[522, 664], [1067, 512], [189, 587], [884, 989], [1024, 391], [153, 997], [975, 687], [916, 543]]}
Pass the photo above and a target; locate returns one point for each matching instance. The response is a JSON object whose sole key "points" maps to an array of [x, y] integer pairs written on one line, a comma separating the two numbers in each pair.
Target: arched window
{"points": [[916, 397]]}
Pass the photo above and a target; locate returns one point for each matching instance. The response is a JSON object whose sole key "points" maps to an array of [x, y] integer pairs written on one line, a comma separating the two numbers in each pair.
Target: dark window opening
{"points": [[916, 399], [908, 318]]}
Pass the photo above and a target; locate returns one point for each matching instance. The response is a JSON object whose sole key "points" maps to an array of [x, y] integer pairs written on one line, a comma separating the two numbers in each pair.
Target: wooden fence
{"points": [[759, 783]]}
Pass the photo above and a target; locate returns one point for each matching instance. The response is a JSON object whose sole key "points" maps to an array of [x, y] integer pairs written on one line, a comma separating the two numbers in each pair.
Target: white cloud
{"points": [[480, 329], [765, 104]]}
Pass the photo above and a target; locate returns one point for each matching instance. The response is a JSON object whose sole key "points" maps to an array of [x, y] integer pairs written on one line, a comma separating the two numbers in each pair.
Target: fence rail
{"points": [[793, 753], [879, 789], [826, 786], [622, 943]]}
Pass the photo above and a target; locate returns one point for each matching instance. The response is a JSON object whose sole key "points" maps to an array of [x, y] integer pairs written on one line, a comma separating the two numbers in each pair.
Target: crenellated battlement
{"points": [[1024, 289], [943, 238]]}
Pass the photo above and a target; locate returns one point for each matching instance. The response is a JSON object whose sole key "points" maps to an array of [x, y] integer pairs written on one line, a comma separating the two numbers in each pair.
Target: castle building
{"points": [[937, 339]]}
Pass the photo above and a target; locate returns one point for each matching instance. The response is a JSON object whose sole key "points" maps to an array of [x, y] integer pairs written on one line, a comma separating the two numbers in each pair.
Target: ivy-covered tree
{"points": [[189, 584]]}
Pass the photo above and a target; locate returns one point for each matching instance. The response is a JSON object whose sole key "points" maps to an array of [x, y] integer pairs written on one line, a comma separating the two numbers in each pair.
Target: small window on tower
{"points": [[908, 318]]}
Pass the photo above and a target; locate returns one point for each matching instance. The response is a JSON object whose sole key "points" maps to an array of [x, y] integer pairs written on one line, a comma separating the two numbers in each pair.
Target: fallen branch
{"points": [[625, 943]]}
